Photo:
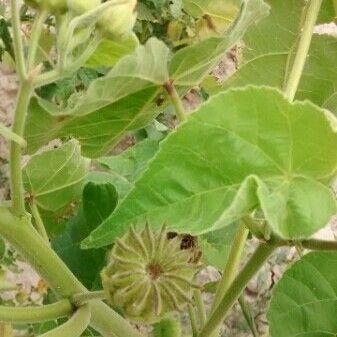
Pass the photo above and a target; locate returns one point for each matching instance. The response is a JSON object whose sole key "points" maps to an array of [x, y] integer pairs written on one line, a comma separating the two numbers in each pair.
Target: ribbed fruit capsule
{"points": [[82, 6], [118, 21], [149, 275]]}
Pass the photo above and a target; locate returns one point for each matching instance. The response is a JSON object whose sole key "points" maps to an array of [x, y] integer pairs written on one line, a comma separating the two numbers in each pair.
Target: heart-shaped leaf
{"points": [[54, 178], [244, 149], [304, 302]]}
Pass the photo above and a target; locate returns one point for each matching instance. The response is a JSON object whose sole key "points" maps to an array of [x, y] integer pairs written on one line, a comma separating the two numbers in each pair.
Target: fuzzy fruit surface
{"points": [[149, 275], [118, 21], [82, 6], [55, 6]]}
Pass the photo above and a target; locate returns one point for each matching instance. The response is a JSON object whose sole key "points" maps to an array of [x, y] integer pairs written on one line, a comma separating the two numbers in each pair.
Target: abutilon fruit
{"points": [[150, 274]]}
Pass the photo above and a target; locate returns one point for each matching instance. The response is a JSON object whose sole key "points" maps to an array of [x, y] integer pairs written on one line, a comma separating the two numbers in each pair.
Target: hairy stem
{"points": [[232, 266], [79, 299], [35, 314], [200, 306], [35, 37], [22, 235], [175, 100], [38, 220], [303, 48], [238, 285], [75, 326], [193, 320], [17, 40], [17, 191]]}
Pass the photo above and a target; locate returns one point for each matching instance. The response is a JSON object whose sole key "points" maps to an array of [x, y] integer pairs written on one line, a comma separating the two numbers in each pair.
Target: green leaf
{"points": [[215, 246], [122, 101], [109, 52], [131, 163], [55, 177], [244, 149], [191, 65], [218, 14], [269, 50], [304, 302], [99, 200]]}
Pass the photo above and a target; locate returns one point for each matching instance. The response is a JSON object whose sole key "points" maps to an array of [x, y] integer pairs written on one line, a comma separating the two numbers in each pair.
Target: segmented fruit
{"points": [[118, 21], [150, 274]]}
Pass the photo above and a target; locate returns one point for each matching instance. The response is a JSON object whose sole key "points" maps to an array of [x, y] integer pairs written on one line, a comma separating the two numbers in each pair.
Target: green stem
{"points": [[38, 220], [335, 7], [17, 191], [56, 74], [319, 245], [43, 313], [248, 315], [200, 306], [232, 266], [238, 285], [17, 40], [175, 100], [35, 37], [79, 299], [303, 48], [22, 235], [8, 134], [75, 326], [193, 320]]}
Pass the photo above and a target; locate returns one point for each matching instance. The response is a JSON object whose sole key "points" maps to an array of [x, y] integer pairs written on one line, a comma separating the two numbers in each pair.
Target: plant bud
{"points": [[82, 6], [149, 275], [118, 21]]}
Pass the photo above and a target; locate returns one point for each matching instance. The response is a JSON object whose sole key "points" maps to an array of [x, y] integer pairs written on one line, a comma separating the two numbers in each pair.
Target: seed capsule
{"points": [[149, 274]]}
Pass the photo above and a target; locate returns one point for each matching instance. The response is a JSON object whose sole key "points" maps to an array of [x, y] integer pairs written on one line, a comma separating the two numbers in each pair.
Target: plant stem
{"points": [[8, 134], [17, 191], [35, 37], [313, 244], [75, 326], [200, 306], [38, 220], [17, 40], [303, 48], [25, 315], [22, 235], [253, 265], [79, 299], [232, 266], [193, 320], [175, 100], [335, 7], [248, 315]]}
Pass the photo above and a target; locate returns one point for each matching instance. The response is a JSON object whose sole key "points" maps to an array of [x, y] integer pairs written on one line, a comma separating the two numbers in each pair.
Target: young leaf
{"points": [[55, 178], [191, 65], [120, 102], [99, 200], [244, 149], [269, 51], [304, 302]]}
